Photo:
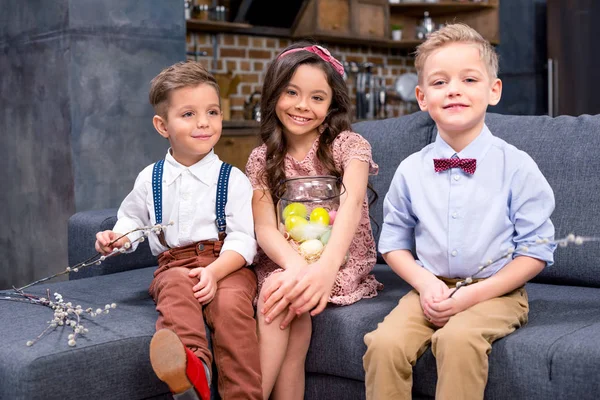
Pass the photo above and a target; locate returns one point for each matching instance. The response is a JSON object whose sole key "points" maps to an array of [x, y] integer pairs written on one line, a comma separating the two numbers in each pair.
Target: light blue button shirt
{"points": [[458, 221]]}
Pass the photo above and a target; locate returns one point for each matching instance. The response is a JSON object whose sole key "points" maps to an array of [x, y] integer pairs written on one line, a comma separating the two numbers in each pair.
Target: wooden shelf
{"points": [[404, 44], [197, 25], [438, 9], [482, 16]]}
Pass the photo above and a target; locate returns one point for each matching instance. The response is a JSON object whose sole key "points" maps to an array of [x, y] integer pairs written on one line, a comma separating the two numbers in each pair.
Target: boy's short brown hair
{"points": [[457, 33], [179, 75]]}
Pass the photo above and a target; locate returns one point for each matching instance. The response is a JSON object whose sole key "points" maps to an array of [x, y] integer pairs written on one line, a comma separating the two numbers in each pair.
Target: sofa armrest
{"points": [[83, 227]]}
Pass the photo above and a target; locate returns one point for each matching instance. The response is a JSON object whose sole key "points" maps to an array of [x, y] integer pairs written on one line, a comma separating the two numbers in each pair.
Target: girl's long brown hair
{"points": [[277, 78]]}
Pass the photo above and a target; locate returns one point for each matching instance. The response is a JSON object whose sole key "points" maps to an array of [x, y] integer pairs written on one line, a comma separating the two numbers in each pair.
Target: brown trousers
{"points": [[230, 316], [461, 347]]}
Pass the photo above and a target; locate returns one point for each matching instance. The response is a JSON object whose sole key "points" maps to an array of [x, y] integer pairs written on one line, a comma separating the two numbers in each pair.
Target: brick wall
{"points": [[248, 57]]}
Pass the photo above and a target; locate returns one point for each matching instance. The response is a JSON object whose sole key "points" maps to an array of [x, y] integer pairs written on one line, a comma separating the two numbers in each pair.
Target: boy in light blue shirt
{"points": [[462, 201]]}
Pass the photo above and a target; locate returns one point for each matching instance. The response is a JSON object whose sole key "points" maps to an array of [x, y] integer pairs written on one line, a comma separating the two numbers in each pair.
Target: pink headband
{"points": [[321, 52]]}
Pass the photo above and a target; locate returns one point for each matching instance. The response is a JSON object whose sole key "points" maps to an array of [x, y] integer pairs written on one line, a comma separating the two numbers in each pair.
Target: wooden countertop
{"points": [[240, 128]]}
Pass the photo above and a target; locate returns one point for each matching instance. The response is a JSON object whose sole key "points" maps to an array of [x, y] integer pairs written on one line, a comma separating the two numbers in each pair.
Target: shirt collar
{"points": [[476, 149], [200, 170]]}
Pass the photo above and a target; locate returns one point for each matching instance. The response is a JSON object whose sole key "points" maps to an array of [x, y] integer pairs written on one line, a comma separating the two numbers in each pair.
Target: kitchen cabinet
{"points": [[371, 19], [237, 141], [367, 22], [343, 19], [333, 17], [573, 57], [481, 16]]}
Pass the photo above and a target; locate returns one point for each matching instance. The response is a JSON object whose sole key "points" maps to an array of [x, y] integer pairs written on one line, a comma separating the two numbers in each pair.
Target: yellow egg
{"points": [[319, 215], [298, 209], [294, 221]]}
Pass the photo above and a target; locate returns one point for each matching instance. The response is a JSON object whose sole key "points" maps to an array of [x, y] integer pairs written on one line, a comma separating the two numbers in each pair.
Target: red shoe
{"points": [[176, 365]]}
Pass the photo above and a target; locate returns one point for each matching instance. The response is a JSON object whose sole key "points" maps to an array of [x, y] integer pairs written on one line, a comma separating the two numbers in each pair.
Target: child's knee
{"points": [[450, 340], [382, 343], [235, 303]]}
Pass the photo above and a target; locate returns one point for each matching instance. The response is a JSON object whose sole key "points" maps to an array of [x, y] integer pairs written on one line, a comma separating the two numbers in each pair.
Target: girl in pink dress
{"points": [[305, 130]]}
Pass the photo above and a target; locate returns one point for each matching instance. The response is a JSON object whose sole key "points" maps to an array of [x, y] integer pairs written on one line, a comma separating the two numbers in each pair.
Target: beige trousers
{"points": [[461, 347]]}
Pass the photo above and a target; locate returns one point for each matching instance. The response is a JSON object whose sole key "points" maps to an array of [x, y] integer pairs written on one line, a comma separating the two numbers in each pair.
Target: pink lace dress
{"points": [[354, 280]]}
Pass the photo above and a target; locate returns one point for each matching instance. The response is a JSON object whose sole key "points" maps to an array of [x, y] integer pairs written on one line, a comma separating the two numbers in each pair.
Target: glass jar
{"points": [[306, 212]]}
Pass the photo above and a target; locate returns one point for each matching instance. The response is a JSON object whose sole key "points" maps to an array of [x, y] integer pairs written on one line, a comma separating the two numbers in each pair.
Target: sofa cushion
{"points": [[337, 346], [553, 356], [110, 361]]}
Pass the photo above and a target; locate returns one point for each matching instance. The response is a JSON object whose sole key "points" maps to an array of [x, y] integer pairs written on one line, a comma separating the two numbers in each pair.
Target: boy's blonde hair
{"points": [[179, 75], [457, 33]]}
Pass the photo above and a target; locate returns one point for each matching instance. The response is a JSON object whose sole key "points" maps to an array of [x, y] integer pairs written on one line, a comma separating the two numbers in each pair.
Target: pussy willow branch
{"points": [[66, 314], [564, 242], [97, 258]]}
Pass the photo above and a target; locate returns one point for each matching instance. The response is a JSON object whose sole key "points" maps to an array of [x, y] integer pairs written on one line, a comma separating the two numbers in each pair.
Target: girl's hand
{"points": [[104, 238], [206, 288], [276, 296], [313, 290]]}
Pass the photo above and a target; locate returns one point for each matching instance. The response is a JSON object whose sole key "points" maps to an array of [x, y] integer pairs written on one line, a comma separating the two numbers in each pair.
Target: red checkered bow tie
{"points": [[466, 164]]}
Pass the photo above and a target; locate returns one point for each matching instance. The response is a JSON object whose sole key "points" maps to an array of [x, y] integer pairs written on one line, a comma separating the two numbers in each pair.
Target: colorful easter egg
{"points": [[311, 248], [325, 237], [298, 209], [332, 215], [319, 215], [294, 221]]}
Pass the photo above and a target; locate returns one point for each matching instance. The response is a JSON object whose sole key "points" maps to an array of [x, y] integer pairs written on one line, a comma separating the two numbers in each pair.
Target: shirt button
{"points": [[456, 177], [454, 253], [454, 215], [185, 196]]}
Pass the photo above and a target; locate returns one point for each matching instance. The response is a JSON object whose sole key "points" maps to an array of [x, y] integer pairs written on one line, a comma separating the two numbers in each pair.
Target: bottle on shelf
{"points": [[426, 28]]}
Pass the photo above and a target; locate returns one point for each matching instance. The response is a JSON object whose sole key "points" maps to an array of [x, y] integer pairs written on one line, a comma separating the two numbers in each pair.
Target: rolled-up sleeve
{"points": [[240, 222], [399, 222], [532, 203]]}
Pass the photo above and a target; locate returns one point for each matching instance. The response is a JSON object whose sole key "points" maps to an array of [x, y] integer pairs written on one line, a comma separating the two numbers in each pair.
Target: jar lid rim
{"points": [[315, 177]]}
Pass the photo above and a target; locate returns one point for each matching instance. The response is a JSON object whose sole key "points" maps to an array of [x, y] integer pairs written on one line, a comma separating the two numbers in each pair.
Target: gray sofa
{"points": [[555, 356]]}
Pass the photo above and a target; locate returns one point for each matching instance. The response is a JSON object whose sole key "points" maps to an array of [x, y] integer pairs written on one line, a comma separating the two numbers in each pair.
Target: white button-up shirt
{"points": [[457, 221], [189, 200]]}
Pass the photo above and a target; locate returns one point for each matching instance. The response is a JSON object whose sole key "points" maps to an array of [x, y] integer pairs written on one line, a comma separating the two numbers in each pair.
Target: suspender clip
{"points": [[221, 224]]}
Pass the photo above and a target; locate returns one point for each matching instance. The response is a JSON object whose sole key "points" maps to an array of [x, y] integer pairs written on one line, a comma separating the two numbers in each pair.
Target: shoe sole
{"points": [[169, 360]]}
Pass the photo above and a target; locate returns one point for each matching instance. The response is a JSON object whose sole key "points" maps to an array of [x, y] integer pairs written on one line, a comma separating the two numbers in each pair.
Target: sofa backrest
{"points": [[83, 227], [392, 140], [567, 151]]}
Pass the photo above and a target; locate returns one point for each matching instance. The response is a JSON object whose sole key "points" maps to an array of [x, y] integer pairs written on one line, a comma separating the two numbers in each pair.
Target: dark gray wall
{"points": [[522, 52], [75, 123]]}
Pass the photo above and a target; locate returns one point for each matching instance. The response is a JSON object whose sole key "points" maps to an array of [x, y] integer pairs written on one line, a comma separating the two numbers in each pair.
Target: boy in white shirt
{"points": [[202, 275]]}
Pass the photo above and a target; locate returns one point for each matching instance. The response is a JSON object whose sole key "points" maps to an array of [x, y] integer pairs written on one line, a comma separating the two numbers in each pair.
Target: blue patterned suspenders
{"points": [[221, 200]]}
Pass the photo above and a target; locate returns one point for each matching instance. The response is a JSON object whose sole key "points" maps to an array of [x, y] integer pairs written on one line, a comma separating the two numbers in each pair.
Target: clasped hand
{"points": [[437, 304], [298, 290]]}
